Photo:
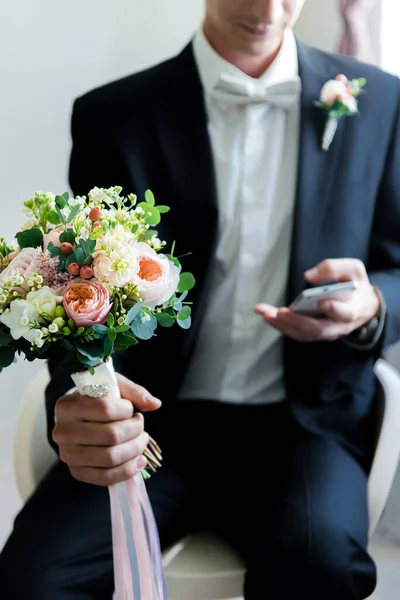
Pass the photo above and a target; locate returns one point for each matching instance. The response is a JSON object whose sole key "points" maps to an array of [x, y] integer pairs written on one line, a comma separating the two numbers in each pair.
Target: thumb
{"points": [[141, 399]]}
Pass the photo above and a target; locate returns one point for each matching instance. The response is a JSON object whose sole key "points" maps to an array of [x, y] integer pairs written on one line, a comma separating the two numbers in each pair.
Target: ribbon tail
{"points": [[329, 133]]}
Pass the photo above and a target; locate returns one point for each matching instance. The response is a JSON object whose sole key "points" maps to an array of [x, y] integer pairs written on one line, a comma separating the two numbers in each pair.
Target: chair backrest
{"points": [[33, 455]]}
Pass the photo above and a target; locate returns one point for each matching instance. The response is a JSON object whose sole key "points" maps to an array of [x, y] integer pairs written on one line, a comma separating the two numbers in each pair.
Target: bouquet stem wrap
{"points": [[137, 557]]}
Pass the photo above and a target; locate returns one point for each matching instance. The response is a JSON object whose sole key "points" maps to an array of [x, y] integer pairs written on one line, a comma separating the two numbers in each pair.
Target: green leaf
{"points": [[53, 250], [30, 238], [5, 339], [144, 329], [165, 320], [73, 213], [122, 328], [102, 329], [108, 346], [61, 216], [133, 313], [80, 256], [174, 260], [7, 355], [88, 246], [185, 324], [124, 341], [112, 334], [65, 195], [186, 282], [183, 296], [71, 258], [162, 209], [61, 202], [53, 218], [92, 354], [149, 197], [68, 236], [184, 313], [110, 320], [152, 216], [91, 369], [62, 262]]}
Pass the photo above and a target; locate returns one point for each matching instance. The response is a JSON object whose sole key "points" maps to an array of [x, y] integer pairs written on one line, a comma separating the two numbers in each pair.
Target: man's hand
{"points": [[342, 317], [102, 440]]}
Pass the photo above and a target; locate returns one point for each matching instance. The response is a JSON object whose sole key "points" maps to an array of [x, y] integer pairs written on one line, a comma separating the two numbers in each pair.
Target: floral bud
{"points": [[95, 213], [59, 321], [66, 331], [59, 311], [66, 248], [73, 268]]}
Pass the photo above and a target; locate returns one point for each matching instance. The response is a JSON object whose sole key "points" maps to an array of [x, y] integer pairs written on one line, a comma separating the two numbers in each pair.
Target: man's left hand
{"points": [[341, 317]]}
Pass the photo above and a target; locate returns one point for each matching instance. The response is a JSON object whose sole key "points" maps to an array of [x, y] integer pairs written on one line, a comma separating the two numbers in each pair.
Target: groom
{"points": [[267, 417]]}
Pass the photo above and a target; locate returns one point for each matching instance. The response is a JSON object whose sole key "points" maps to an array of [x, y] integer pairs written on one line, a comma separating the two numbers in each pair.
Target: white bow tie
{"points": [[236, 90]]}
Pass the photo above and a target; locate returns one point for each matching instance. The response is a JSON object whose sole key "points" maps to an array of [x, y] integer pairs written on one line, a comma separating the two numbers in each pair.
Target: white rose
{"points": [[331, 90], [157, 278], [45, 301], [21, 314], [117, 267]]}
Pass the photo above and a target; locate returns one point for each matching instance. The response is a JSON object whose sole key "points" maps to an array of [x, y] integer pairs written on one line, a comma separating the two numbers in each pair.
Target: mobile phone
{"points": [[307, 302]]}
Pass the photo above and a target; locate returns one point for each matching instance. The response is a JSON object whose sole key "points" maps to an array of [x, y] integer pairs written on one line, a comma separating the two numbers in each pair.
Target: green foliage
{"points": [[30, 238], [68, 236], [7, 356], [144, 325], [164, 319], [186, 282]]}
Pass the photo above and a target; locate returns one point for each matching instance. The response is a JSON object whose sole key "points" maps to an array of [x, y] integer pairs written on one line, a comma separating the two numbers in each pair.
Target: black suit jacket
{"points": [[149, 131]]}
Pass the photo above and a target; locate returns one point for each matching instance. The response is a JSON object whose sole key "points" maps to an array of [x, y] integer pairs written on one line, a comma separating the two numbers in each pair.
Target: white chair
{"points": [[201, 567]]}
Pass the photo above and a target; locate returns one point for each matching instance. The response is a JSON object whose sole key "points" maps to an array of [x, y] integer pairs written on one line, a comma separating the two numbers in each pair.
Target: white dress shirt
{"points": [[238, 357]]}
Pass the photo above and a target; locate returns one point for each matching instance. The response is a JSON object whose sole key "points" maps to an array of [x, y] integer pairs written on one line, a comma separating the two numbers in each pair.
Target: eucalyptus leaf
{"points": [[61, 202], [186, 282], [144, 328], [65, 195], [152, 216], [68, 236], [108, 346], [73, 213], [149, 196], [30, 238], [110, 320], [133, 313], [125, 340], [61, 216], [53, 218], [185, 324], [184, 313], [112, 334], [53, 250], [122, 328], [174, 260], [162, 209], [165, 320], [102, 329]]}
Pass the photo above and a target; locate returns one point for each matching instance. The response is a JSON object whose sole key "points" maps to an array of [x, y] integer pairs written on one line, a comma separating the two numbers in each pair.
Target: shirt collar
{"points": [[211, 65]]}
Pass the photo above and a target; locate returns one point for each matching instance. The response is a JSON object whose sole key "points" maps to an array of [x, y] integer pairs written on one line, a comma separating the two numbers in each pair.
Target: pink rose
{"points": [[158, 277], [87, 303], [350, 102], [53, 236], [22, 263], [331, 90]]}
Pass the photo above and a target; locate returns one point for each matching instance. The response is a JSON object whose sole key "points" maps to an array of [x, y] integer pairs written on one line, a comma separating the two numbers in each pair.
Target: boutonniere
{"points": [[338, 99]]}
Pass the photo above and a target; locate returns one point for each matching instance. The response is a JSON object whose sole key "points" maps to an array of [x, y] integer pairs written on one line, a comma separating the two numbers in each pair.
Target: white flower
{"points": [[115, 240], [331, 90], [45, 301], [39, 343], [18, 319], [350, 102], [53, 328], [156, 242], [117, 267], [158, 277], [98, 195]]}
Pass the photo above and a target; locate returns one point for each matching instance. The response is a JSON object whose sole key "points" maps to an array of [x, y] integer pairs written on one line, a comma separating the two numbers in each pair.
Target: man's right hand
{"points": [[102, 440]]}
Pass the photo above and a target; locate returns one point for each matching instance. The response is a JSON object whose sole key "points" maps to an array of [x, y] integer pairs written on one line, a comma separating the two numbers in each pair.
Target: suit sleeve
{"points": [[384, 260], [92, 163]]}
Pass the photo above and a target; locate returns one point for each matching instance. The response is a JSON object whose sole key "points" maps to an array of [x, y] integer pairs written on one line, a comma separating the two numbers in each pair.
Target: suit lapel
{"points": [[316, 171], [185, 144]]}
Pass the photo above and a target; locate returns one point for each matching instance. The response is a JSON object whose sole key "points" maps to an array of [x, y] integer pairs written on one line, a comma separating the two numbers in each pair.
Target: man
{"points": [[266, 426]]}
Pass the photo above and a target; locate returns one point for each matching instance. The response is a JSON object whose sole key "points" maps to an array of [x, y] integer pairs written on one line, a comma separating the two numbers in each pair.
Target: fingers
{"points": [[337, 269], [344, 312], [106, 457], [107, 477], [74, 407], [137, 395], [98, 434]]}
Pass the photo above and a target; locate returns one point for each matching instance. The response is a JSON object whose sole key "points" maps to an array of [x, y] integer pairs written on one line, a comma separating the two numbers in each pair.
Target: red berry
{"points": [[74, 268], [66, 248], [86, 272], [342, 78], [97, 224], [95, 213]]}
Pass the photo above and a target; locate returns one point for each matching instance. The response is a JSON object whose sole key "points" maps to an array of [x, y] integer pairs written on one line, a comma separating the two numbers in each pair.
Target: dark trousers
{"points": [[294, 505]]}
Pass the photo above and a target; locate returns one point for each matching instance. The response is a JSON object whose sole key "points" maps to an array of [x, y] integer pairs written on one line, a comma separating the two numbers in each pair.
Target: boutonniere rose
{"points": [[338, 99]]}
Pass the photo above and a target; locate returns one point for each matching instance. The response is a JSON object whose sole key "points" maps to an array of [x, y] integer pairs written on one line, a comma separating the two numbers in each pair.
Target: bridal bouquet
{"points": [[85, 277]]}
